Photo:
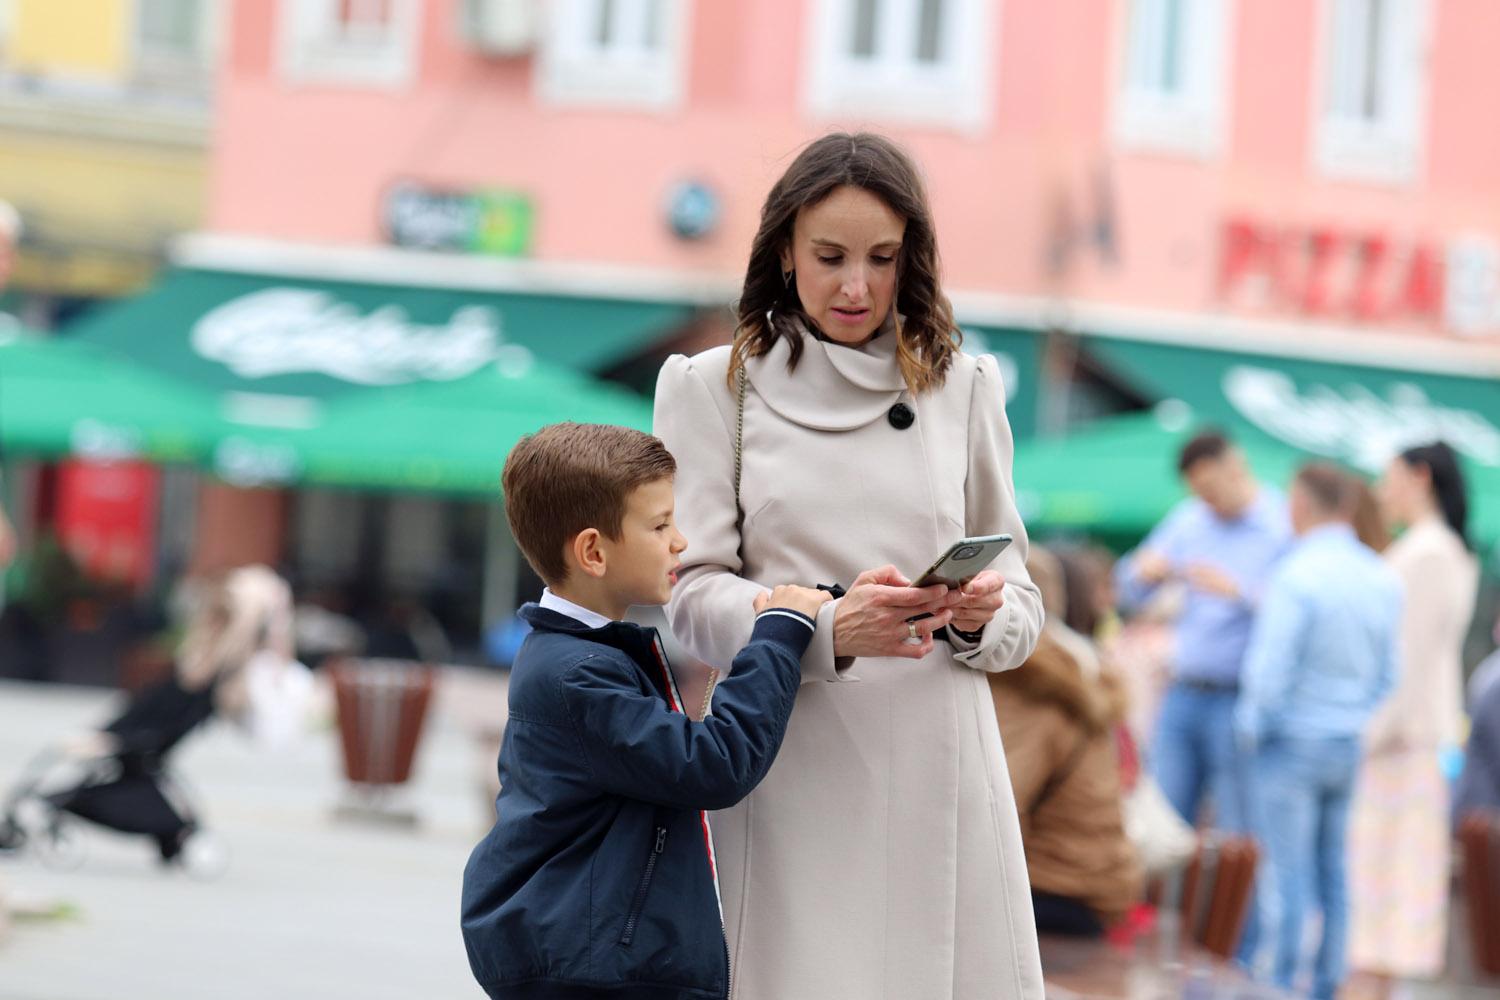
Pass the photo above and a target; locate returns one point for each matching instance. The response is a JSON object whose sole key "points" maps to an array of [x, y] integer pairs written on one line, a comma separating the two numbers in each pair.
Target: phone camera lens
{"points": [[967, 552]]}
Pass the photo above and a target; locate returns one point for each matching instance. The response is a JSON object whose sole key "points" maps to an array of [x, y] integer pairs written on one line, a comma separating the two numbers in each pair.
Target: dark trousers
{"points": [[1062, 915]]}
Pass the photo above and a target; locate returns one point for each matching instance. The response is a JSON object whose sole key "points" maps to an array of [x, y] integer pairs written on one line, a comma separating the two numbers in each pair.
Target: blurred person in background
{"points": [[1220, 544], [1486, 674], [1478, 787], [10, 237], [1399, 844], [1322, 656], [1057, 716]]}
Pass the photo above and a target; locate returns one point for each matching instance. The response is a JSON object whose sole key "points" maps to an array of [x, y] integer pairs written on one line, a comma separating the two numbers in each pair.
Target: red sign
{"points": [[106, 518], [1328, 272]]}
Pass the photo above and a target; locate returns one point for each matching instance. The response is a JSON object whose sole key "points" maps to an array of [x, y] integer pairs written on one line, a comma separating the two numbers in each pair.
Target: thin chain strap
{"points": [[739, 445]]}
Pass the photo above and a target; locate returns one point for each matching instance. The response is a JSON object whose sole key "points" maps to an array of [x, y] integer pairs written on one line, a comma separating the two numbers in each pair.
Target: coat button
{"points": [[901, 416]]}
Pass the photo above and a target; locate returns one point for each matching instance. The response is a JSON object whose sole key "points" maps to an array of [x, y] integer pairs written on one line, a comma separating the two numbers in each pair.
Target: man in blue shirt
{"points": [[1221, 543], [1322, 656]]}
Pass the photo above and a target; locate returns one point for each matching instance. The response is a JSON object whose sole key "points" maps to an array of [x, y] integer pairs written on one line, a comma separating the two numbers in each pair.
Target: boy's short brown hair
{"points": [[567, 478]]}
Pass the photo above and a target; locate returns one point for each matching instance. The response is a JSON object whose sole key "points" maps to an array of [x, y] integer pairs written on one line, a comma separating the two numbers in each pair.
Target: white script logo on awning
{"points": [[280, 331], [1354, 424]]}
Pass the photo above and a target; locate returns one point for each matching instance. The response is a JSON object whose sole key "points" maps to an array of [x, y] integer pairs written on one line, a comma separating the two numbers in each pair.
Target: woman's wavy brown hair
{"points": [[928, 337]]}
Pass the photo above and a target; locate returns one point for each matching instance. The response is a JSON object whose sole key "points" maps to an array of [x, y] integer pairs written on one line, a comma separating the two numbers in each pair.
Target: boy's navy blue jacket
{"points": [[596, 879]]}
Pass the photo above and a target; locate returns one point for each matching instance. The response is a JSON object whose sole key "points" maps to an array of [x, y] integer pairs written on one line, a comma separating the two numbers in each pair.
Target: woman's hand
{"points": [[871, 619], [979, 599]]}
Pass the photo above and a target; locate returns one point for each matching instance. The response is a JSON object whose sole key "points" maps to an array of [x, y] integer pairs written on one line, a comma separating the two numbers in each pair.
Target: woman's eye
{"points": [[829, 260], [882, 260]]}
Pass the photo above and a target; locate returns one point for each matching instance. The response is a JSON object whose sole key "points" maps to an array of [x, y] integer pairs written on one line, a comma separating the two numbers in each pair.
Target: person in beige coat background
{"points": [[1399, 833], [881, 857]]}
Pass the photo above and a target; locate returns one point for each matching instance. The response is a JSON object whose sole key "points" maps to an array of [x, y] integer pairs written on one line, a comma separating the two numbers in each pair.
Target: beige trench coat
{"points": [[881, 856]]}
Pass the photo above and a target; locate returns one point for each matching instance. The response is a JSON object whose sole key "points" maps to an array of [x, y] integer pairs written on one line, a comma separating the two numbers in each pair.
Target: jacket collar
{"points": [[834, 387]]}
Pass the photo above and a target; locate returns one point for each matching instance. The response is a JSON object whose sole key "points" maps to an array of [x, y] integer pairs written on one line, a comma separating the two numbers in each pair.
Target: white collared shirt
{"points": [[577, 612]]}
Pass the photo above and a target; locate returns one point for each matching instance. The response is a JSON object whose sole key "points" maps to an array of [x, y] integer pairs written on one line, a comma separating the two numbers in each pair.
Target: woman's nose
{"points": [[855, 285]]}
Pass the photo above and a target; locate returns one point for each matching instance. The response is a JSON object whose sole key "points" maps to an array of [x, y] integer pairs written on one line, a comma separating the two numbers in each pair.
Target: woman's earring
{"points": [[786, 277]]}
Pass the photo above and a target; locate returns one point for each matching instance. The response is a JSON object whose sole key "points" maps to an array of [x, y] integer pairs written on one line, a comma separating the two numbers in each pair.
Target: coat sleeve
{"points": [[990, 509], [712, 606], [636, 746]]}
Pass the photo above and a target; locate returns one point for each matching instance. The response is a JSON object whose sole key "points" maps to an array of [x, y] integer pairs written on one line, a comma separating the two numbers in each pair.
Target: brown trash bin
{"points": [[1479, 837], [382, 706], [1213, 894]]}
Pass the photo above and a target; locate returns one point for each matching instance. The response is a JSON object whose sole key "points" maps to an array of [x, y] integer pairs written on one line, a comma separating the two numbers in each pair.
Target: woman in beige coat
{"points": [[1399, 833], [881, 856]]}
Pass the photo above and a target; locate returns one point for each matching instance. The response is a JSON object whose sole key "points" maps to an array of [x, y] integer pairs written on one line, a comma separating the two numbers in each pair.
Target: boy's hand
{"points": [[801, 599]]}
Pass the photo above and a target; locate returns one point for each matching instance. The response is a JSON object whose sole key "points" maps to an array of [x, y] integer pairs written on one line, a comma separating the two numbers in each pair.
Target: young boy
{"points": [[598, 879]]}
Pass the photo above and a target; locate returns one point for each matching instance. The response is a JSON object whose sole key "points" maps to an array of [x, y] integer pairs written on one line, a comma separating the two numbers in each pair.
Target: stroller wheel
{"points": [[60, 845], [12, 837], [204, 856]]}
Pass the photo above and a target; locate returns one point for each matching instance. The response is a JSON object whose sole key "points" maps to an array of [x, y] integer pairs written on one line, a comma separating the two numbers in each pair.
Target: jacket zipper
{"points": [[640, 890], [728, 973]]}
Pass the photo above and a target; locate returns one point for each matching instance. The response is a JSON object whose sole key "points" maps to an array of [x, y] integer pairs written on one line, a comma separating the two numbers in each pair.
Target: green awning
{"points": [[1359, 415], [298, 337], [59, 398]]}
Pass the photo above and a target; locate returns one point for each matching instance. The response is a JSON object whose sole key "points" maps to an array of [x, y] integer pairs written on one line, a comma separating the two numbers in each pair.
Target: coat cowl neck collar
{"points": [[834, 387]]}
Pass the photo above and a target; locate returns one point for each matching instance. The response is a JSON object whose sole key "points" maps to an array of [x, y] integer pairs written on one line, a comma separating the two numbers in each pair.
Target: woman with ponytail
{"points": [[1399, 838]]}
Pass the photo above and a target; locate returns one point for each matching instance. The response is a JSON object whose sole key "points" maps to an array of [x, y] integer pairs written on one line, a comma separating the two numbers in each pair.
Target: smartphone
{"points": [[963, 561]]}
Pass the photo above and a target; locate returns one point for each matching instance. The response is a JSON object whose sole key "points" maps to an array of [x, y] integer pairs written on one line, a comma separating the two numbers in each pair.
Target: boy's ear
{"points": [[588, 553]]}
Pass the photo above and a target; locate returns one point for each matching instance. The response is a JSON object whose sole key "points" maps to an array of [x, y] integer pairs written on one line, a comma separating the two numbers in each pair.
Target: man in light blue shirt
{"points": [[1322, 656], [1221, 543]]}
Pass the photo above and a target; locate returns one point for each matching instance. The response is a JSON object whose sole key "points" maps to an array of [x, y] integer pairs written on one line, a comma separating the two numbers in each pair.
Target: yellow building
{"points": [[104, 127]]}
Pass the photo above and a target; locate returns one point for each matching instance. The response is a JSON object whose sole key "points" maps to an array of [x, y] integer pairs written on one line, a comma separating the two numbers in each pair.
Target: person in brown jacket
{"points": [[1057, 714]]}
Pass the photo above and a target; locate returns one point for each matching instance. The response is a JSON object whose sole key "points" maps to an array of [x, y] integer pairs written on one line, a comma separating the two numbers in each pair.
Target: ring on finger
{"points": [[911, 630]]}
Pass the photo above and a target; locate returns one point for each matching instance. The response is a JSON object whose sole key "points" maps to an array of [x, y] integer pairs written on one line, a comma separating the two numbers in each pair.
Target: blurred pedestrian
{"points": [[1057, 717], [1486, 673], [845, 439], [1479, 785], [1399, 835], [1221, 544], [1321, 657]]}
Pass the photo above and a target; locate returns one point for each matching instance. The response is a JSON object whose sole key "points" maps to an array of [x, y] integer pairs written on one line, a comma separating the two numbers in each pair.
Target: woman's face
{"points": [[844, 251], [1401, 492]]}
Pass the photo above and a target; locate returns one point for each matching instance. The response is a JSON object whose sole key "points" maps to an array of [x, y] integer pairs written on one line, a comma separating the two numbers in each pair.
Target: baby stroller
{"points": [[119, 777]]}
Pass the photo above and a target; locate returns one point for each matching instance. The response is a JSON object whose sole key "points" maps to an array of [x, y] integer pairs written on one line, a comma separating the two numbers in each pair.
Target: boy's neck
{"points": [[589, 593]]}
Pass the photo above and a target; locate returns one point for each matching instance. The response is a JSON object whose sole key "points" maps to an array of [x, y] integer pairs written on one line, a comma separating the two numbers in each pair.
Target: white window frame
{"points": [[575, 69], [893, 85], [312, 51], [1190, 119], [187, 70], [1389, 149]]}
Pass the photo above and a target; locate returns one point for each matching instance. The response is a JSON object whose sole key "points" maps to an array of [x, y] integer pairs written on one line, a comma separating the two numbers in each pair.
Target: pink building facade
{"points": [[1282, 171]]}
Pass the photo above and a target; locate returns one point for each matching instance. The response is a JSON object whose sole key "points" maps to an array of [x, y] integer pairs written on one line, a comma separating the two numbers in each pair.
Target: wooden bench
{"points": [[1479, 843]]}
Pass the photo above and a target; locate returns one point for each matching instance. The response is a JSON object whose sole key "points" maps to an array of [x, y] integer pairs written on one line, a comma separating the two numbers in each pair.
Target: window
{"points": [[914, 61], [174, 43], [1173, 73], [614, 52], [1373, 88], [359, 42]]}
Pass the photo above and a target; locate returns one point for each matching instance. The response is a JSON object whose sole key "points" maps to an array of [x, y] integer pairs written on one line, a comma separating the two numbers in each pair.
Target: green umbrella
{"points": [[447, 437], [59, 397], [1118, 476]]}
